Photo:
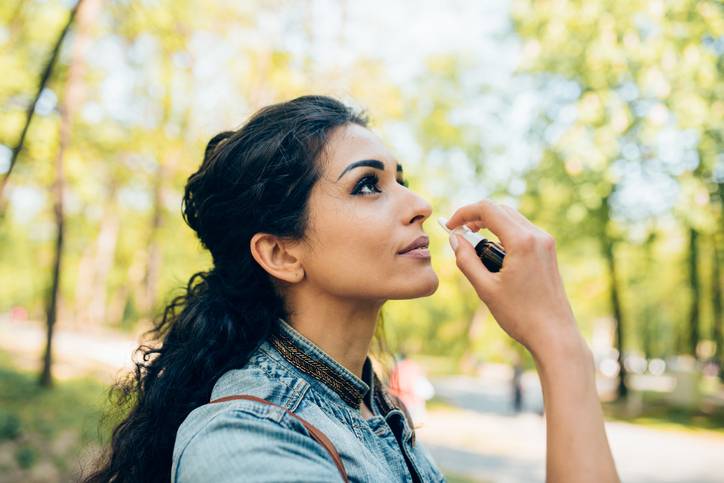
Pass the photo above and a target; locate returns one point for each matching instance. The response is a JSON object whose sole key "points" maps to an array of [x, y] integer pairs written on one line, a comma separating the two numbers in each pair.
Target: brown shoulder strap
{"points": [[317, 435]]}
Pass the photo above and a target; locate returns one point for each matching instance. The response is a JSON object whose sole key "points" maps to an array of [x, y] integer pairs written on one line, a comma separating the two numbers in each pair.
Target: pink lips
{"points": [[417, 253], [418, 248]]}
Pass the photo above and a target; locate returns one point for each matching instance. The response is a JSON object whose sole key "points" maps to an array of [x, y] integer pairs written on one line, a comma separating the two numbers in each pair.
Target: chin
{"points": [[433, 286], [421, 288]]}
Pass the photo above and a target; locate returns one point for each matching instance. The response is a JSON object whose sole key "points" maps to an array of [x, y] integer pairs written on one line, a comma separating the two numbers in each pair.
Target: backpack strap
{"points": [[316, 434]]}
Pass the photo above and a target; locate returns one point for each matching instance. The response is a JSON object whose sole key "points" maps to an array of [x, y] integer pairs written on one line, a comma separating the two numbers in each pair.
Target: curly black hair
{"points": [[255, 179]]}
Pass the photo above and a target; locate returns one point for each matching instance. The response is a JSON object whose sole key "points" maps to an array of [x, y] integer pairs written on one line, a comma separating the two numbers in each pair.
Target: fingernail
{"points": [[453, 241]]}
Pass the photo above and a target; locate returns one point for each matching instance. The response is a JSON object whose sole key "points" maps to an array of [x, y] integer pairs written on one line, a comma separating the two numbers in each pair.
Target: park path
{"points": [[478, 436], [100, 352], [483, 439]]}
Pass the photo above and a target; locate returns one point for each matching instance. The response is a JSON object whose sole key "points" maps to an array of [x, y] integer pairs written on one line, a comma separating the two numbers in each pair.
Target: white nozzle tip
{"points": [[443, 223]]}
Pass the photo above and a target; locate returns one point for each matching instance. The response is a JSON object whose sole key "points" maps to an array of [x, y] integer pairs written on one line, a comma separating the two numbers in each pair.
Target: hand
{"points": [[526, 296]]}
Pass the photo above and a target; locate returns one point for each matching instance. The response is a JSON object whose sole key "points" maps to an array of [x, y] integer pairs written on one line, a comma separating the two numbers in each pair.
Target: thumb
{"points": [[472, 267]]}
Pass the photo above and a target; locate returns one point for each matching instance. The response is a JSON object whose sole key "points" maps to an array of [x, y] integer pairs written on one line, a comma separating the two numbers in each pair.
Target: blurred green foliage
{"points": [[621, 105], [656, 412], [631, 137], [625, 145]]}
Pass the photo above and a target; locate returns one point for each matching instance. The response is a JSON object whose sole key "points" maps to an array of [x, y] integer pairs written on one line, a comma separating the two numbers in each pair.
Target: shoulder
{"points": [[264, 376], [239, 438], [249, 441], [259, 377]]}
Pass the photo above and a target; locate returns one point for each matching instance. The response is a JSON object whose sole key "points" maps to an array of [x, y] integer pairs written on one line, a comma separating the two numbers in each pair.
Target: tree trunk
{"points": [[693, 336], [648, 324], [608, 249], [153, 262], [717, 286], [96, 264], [69, 101], [117, 305], [45, 76], [168, 157], [104, 257], [718, 320], [84, 285], [46, 378]]}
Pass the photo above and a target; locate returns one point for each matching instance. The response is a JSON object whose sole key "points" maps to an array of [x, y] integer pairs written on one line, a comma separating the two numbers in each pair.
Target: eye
{"points": [[368, 185], [369, 181]]}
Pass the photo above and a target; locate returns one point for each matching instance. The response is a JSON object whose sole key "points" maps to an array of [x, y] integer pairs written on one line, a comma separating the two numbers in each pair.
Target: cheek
{"points": [[362, 255], [353, 258], [358, 235], [371, 270], [355, 255]]}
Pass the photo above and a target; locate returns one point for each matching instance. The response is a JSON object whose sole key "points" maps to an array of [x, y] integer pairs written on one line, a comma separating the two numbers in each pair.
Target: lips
{"points": [[420, 242]]}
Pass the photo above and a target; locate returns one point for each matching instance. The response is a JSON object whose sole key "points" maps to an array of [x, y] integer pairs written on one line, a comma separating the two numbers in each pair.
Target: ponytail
{"points": [[256, 179], [199, 344]]}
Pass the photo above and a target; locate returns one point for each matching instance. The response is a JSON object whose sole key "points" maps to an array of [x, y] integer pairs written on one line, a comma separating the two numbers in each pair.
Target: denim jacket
{"points": [[248, 441]]}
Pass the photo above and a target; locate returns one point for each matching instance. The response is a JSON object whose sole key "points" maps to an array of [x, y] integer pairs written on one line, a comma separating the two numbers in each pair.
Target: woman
{"points": [[311, 229]]}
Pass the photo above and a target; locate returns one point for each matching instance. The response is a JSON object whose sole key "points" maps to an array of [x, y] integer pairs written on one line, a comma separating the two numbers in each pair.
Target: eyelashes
{"points": [[371, 180]]}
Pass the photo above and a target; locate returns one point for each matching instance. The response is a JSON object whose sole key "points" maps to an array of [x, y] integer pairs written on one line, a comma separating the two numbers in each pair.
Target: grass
{"points": [[658, 413], [655, 412], [438, 403], [43, 432], [455, 478]]}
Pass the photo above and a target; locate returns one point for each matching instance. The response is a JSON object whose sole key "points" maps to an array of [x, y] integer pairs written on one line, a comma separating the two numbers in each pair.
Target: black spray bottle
{"points": [[490, 253]]}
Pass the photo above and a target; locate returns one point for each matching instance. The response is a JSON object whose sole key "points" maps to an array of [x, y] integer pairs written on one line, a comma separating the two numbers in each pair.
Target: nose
{"points": [[418, 209]]}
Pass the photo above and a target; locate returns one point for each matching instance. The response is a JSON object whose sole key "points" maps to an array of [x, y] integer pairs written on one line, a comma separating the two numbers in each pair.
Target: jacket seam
{"points": [[296, 395], [315, 395], [294, 372]]}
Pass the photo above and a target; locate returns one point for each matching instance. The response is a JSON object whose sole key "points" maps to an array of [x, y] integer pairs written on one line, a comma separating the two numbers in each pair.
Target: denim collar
{"points": [[309, 358]]}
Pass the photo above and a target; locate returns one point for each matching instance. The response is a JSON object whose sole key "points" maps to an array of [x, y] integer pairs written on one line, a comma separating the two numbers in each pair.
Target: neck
{"points": [[341, 328]]}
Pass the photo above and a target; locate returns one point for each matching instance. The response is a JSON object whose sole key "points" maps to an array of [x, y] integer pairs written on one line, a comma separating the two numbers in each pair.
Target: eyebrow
{"points": [[372, 163]]}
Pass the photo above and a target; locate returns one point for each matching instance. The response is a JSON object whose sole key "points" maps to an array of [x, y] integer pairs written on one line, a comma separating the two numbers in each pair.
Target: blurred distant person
{"points": [[517, 385], [409, 383], [18, 314]]}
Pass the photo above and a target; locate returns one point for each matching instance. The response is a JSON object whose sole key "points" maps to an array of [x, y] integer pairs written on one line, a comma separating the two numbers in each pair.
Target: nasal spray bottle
{"points": [[490, 253]]}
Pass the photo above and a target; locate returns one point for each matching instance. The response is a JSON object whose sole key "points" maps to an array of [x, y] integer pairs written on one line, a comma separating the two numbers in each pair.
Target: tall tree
{"points": [[692, 341], [69, 101], [42, 82], [623, 68], [718, 319]]}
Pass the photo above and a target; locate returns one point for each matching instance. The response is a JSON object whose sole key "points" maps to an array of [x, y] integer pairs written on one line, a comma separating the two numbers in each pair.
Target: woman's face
{"points": [[360, 218]]}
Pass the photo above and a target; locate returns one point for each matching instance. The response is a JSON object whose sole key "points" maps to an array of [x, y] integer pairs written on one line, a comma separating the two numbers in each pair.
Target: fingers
{"points": [[472, 267], [475, 226], [487, 214]]}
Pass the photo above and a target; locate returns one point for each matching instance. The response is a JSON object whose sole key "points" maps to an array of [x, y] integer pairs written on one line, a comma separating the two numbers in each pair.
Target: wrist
{"points": [[566, 353]]}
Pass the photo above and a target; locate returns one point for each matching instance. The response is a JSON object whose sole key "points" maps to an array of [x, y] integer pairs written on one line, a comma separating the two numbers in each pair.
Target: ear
{"points": [[277, 256]]}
